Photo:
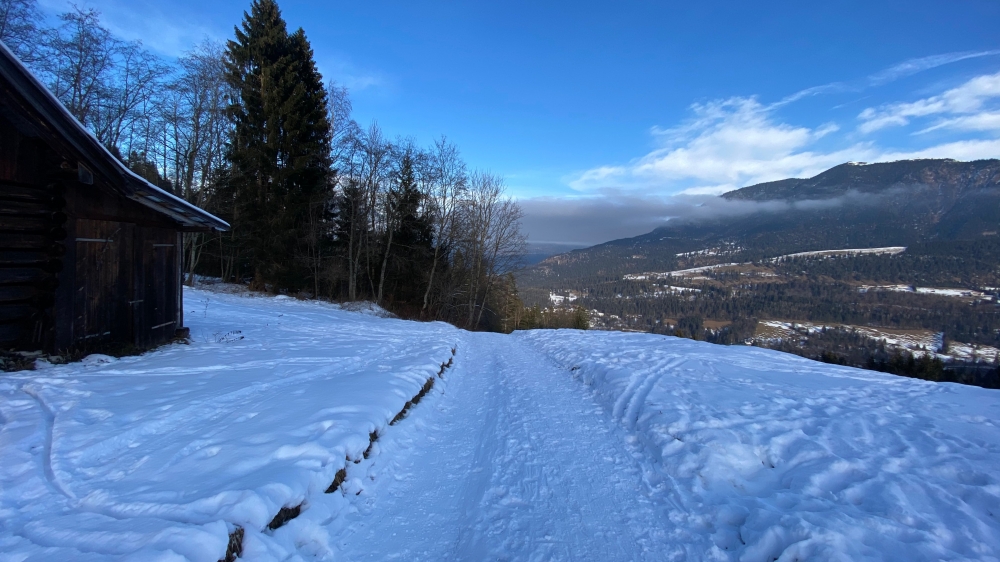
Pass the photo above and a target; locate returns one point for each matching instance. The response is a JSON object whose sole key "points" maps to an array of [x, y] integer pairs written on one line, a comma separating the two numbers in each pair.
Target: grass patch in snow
{"points": [[284, 515], [415, 400], [235, 548], [372, 438], [337, 481]]}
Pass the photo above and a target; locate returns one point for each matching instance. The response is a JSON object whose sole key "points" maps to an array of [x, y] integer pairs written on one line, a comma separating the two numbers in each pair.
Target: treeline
{"points": [[320, 206], [968, 264], [841, 346], [537, 318], [804, 300], [738, 331]]}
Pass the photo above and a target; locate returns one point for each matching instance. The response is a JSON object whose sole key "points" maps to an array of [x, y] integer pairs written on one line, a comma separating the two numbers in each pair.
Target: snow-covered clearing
{"points": [[544, 445], [917, 342], [558, 299], [850, 252], [678, 273], [158, 456], [757, 455], [961, 293]]}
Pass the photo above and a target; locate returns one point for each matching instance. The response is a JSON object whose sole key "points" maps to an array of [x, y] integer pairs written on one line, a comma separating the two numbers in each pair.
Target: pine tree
{"points": [[351, 227], [411, 235], [279, 147]]}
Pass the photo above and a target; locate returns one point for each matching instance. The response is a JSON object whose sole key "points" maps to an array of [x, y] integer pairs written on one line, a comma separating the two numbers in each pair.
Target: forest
{"points": [[725, 305], [320, 206]]}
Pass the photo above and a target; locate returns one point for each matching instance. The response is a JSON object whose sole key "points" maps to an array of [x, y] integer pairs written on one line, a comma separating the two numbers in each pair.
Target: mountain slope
{"points": [[849, 206], [927, 231]]}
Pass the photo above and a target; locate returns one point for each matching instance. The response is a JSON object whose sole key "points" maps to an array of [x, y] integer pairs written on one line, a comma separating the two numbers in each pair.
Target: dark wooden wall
{"points": [[80, 265], [32, 241]]}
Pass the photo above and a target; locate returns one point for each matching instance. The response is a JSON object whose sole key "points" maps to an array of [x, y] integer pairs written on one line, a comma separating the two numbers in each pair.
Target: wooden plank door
{"points": [[103, 282], [160, 291]]}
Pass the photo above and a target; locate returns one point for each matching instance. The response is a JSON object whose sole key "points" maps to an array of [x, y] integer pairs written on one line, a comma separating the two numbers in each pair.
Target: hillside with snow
{"points": [[292, 430]]}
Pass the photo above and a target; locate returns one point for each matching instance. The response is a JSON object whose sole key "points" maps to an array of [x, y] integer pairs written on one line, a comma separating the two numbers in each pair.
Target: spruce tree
{"points": [[412, 235], [279, 151]]}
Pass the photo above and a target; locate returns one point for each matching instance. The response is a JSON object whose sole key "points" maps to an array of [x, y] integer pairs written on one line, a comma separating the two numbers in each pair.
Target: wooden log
{"points": [[25, 207], [10, 335], [11, 313], [30, 256], [25, 241], [18, 293], [22, 275], [47, 195], [20, 223]]}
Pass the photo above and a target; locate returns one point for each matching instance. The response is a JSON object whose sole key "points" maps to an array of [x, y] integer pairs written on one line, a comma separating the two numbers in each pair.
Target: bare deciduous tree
{"points": [[79, 58], [19, 27], [447, 185]]}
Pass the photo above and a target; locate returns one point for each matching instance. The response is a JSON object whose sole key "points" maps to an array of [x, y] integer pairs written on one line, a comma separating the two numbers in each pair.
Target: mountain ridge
{"points": [[865, 177], [852, 205]]}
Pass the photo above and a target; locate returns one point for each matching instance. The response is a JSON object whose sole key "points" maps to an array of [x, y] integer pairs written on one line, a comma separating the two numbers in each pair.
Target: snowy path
{"points": [[516, 463]]}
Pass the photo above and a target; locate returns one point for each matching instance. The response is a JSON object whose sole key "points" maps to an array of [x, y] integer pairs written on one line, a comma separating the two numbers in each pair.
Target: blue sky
{"points": [[598, 113]]}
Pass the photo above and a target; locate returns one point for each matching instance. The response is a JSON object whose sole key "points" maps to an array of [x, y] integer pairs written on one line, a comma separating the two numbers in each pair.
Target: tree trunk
{"points": [[385, 263], [430, 283]]}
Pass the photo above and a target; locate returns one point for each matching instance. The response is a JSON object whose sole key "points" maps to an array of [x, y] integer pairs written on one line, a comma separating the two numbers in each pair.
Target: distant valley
{"points": [[909, 245]]}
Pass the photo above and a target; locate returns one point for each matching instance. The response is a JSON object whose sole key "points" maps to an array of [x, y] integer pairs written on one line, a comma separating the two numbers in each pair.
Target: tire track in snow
{"points": [[556, 492], [48, 418]]}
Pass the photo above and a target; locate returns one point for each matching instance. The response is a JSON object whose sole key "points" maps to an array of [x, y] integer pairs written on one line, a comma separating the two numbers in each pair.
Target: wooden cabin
{"points": [[90, 253]]}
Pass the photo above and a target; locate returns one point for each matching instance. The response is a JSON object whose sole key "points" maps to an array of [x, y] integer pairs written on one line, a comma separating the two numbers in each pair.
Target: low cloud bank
{"points": [[613, 215]]}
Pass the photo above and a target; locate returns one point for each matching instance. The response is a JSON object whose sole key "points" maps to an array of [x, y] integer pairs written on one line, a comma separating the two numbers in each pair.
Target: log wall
{"points": [[81, 266]]}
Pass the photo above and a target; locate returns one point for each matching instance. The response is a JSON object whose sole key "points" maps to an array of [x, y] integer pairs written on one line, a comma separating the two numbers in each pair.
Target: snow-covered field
{"points": [[542, 445], [917, 342], [888, 250], [694, 271], [157, 457], [679, 273], [758, 455], [960, 293]]}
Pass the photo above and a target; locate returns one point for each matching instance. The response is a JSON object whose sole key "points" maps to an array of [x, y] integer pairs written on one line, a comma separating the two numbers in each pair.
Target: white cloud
{"points": [[612, 214], [146, 21], [914, 66], [885, 76], [969, 99], [979, 149], [986, 121], [739, 141], [709, 189], [727, 143]]}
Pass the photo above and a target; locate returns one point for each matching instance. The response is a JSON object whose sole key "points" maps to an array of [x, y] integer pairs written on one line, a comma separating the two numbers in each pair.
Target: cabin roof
{"points": [[53, 122]]}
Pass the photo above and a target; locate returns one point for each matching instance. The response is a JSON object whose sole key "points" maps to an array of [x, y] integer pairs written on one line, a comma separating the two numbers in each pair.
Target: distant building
{"points": [[89, 252]]}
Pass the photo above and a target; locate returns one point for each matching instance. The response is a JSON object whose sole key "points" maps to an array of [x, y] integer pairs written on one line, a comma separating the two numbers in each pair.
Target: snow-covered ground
{"points": [[962, 293], [558, 299], [679, 273], [543, 445], [157, 457], [755, 455], [851, 252], [917, 342]]}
